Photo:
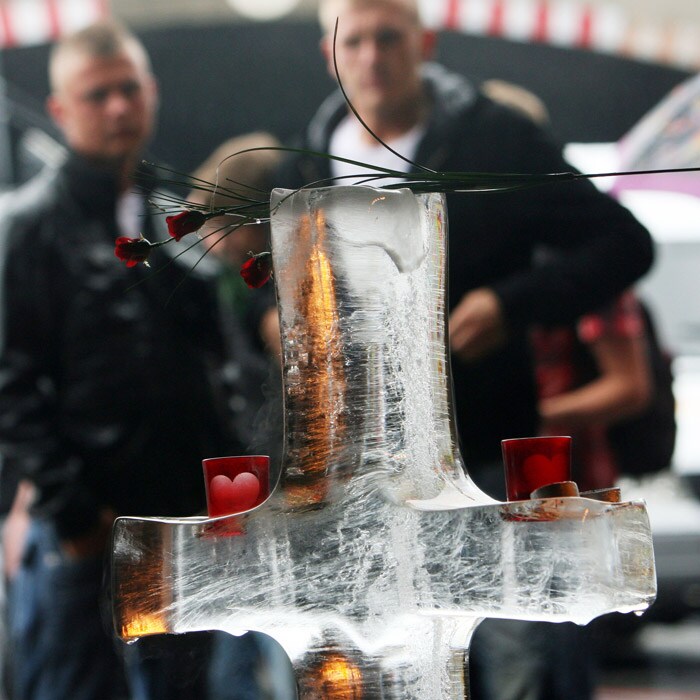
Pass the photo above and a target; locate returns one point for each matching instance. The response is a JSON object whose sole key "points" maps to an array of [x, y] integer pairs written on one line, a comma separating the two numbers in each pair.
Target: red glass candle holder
{"points": [[235, 484], [533, 462]]}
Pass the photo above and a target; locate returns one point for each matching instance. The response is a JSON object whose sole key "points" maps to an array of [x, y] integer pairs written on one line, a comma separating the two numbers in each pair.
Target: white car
{"points": [[672, 292]]}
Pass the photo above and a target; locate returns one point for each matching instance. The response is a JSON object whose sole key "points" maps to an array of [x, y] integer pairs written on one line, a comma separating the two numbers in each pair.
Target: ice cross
{"points": [[376, 556]]}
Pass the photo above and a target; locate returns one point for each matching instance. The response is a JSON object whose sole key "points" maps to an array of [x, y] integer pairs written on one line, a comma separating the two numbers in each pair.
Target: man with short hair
{"points": [[111, 389], [437, 119], [103, 98]]}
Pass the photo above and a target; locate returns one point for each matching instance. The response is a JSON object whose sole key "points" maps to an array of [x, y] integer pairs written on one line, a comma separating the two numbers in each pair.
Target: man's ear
{"points": [[154, 89], [326, 46], [428, 43], [55, 109]]}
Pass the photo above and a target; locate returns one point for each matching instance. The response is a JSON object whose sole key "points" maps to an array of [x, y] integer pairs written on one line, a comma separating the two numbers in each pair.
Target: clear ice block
{"points": [[376, 555]]}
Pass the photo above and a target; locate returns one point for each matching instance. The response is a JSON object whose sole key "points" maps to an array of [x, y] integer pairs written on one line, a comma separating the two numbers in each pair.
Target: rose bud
{"points": [[133, 250], [257, 270], [185, 222]]}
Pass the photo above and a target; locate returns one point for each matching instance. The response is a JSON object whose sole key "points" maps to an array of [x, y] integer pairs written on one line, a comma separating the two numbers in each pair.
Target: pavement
{"points": [[661, 661]]}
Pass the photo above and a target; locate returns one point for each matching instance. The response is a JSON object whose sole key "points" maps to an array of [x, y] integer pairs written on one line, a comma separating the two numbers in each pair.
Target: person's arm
{"points": [[622, 389], [15, 529], [602, 249], [477, 325], [30, 438], [270, 332]]}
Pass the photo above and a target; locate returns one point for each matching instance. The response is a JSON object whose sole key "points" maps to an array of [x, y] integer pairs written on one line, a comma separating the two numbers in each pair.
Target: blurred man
{"points": [[437, 119], [110, 390]]}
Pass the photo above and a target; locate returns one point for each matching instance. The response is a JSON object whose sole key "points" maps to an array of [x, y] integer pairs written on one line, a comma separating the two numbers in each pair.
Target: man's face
{"points": [[379, 49], [105, 106]]}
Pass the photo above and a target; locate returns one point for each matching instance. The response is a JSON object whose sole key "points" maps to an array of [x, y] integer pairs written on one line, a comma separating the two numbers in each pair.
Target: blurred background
{"points": [[227, 67], [230, 66]]}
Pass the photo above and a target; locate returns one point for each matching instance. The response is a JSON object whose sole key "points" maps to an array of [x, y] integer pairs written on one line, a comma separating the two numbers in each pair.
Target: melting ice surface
{"points": [[376, 556]]}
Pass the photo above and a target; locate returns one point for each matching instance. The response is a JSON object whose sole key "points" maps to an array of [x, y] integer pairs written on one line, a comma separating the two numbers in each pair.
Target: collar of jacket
{"points": [[95, 187]]}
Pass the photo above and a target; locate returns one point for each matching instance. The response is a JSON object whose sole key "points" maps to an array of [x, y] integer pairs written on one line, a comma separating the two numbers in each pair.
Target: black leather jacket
{"points": [[493, 238], [111, 386]]}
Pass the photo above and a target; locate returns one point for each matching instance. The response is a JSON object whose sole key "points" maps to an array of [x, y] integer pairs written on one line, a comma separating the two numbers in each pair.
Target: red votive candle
{"points": [[235, 484], [533, 462]]}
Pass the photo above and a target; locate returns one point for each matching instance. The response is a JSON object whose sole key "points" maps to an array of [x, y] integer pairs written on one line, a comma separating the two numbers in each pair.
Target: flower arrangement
{"points": [[189, 218]]}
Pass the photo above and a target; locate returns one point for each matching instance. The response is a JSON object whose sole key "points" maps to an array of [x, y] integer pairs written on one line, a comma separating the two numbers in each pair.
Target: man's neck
{"points": [[392, 124], [125, 174], [122, 169]]}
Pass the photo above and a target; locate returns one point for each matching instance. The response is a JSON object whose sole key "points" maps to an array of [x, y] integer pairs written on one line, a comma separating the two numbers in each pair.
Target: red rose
{"points": [[185, 222], [132, 250], [256, 271]]}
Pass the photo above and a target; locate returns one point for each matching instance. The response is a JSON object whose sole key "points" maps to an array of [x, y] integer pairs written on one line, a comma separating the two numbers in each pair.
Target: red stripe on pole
{"points": [[586, 36], [452, 14], [8, 35], [496, 21], [54, 21], [540, 31], [103, 8]]}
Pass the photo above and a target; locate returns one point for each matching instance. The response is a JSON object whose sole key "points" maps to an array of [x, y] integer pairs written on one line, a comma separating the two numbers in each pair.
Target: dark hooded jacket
{"points": [[111, 378]]}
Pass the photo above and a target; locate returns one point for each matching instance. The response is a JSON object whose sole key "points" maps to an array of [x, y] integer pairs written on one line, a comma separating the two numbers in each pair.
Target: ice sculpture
{"points": [[376, 556]]}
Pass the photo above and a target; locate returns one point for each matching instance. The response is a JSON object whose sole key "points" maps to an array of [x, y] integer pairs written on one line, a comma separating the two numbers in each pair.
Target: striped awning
{"points": [[607, 27], [28, 22]]}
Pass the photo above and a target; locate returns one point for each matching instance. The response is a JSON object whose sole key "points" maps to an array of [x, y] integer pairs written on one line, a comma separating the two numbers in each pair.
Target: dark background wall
{"points": [[220, 81]]}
